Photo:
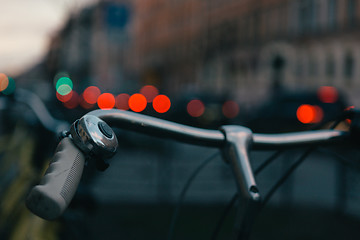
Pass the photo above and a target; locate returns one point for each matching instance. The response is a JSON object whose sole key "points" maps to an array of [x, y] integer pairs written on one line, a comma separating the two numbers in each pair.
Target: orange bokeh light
{"points": [[149, 92], [64, 98], [137, 102], [73, 102], [91, 94], [230, 109], [4, 82], [106, 101], [122, 101], [328, 94], [195, 108], [161, 103], [307, 114]]}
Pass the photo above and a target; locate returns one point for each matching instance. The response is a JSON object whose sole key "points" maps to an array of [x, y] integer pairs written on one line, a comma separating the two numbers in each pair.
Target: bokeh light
{"points": [[106, 101], [161, 103], [195, 108], [137, 102], [64, 89], [64, 98], [91, 94], [328, 94], [319, 114], [307, 114], [4, 82], [122, 101], [230, 109], [64, 85], [348, 109], [10, 89], [149, 92], [73, 102], [84, 104]]}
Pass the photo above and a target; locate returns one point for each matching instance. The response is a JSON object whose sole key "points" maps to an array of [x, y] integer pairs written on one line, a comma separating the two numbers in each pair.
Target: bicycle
{"points": [[91, 138]]}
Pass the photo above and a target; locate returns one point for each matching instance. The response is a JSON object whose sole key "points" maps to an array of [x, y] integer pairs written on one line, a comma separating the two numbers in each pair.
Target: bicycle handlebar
{"points": [[93, 136], [214, 138]]}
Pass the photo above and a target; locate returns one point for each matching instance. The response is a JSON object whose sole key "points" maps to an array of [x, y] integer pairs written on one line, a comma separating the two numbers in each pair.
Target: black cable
{"points": [[183, 192], [277, 185], [267, 162], [286, 175], [223, 216], [231, 203], [340, 158]]}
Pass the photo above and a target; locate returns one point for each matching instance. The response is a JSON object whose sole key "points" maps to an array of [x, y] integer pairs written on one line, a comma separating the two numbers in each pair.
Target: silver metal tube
{"points": [[285, 140], [160, 128], [38, 107], [215, 138]]}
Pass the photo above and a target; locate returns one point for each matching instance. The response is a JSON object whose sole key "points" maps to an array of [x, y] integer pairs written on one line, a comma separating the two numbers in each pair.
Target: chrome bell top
{"points": [[94, 136]]}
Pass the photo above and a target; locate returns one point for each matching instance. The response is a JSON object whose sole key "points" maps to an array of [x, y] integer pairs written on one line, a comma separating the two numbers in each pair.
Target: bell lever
{"points": [[95, 138]]}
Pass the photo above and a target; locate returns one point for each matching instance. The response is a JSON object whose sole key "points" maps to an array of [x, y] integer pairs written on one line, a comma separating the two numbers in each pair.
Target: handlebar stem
{"points": [[238, 142]]}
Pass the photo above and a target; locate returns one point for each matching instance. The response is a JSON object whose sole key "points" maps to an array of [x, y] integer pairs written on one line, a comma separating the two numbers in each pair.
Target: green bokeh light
{"points": [[11, 87], [60, 75], [64, 89], [64, 86], [64, 81]]}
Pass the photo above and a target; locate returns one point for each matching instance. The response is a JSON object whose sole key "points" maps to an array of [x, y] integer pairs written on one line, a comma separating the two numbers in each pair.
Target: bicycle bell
{"points": [[94, 137]]}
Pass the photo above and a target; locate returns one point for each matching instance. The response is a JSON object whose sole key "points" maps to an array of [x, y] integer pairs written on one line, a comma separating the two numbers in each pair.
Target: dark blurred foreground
{"points": [[136, 197], [199, 221]]}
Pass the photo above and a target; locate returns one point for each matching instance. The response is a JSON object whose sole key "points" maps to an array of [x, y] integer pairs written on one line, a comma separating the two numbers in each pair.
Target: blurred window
{"points": [[255, 25], [117, 15], [332, 14], [283, 21], [313, 68], [330, 67], [299, 67], [351, 12], [348, 67], [307, 18]]}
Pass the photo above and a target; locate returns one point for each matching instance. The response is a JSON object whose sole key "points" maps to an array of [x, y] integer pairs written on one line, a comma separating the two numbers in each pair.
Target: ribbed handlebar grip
{"points": [[51, 197]]}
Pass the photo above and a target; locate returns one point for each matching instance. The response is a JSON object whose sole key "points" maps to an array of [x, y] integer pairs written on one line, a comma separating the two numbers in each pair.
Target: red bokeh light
{"points": [[84, 104], [137, 102], [64, 98], [230, 109], [195, 108], [149, 92], [161, 103], [106, 101], [309, 114], [319, 114], [91, 94], [327, 94], [73, 102], [122, 101]]}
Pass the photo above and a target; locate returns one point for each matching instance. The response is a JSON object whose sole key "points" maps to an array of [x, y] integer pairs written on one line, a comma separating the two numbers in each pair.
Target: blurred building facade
{"points": [[245, 49], [93, 45], [249, 47]]}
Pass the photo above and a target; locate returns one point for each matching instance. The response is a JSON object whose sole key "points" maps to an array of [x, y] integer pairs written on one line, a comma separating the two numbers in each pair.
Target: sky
{"points": [[25, 28]]}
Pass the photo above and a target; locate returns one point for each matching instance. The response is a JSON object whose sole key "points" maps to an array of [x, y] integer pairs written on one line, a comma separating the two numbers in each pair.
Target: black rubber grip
{"points": [[51, 197]]}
